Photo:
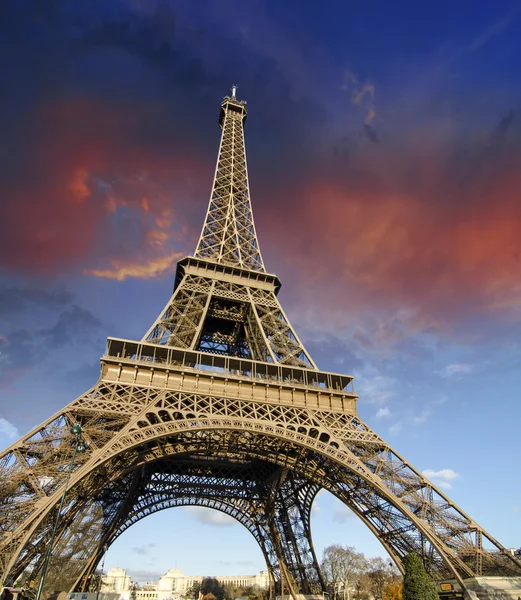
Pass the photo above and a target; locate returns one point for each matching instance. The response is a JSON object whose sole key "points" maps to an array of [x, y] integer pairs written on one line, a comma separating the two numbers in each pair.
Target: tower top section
{"points": [[228, 236], [231, 103]]}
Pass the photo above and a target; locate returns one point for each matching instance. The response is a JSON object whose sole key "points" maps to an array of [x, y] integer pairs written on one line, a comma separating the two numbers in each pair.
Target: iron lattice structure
{"points": [[220, 405]]}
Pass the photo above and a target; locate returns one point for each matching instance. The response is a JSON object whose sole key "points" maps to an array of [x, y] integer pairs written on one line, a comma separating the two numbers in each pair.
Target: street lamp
{"points": [[79, 446]]}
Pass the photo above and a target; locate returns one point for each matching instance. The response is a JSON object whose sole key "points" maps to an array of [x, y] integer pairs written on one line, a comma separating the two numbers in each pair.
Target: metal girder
{"points": [[228, 317], [220, 405], [289, 501], [228, 234], [230, 487], [405, 511]]}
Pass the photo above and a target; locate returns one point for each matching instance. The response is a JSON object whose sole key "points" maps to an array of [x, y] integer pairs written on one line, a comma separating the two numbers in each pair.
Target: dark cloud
{"points": [[371, 134], [13, 300], [503, 127], [485, 160], [23, 349], [95, 194], [18, 352], [109, 162], [424, 246], [96, 129], [110, 128], [74, 326]]}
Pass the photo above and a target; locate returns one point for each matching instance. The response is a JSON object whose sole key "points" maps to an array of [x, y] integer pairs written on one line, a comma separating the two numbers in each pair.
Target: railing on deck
{"points": [[225, 365]]}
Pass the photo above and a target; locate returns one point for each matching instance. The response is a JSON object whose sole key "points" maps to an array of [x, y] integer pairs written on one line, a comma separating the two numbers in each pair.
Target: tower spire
{"points": [[228, 234]]}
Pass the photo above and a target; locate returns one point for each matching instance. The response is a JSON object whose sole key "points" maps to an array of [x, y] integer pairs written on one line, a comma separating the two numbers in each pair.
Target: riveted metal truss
{"points": [[220, 405], [237, 315], [228, 234], [132, 426], [288, 506]]}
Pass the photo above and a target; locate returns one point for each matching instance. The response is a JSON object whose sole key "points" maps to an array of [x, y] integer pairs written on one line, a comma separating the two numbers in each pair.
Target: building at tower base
{"points": [[173, 585]]}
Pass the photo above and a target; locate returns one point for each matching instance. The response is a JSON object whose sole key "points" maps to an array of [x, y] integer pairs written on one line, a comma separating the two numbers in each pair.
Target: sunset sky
{"points": [[384, 154]]}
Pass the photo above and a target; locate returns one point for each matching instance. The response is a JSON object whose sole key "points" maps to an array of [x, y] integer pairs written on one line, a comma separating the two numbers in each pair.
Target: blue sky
{"points": [[384, 150]]}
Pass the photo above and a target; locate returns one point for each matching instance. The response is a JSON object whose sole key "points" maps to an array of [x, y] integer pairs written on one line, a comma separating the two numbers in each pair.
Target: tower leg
{"points": [[288, 500], [292, 519]]}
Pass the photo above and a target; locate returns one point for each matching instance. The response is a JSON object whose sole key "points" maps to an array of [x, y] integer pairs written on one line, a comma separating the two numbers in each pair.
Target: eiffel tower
{"points": [[220, 405]]}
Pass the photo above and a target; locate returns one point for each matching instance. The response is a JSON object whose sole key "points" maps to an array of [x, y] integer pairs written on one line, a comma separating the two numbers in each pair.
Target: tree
{"points": [[362, 587], [381, 574], [343, 568], [194, 591], [249, 592], [133, 589], [417, 583], [392, 591], [210, 585], [231, 592]]}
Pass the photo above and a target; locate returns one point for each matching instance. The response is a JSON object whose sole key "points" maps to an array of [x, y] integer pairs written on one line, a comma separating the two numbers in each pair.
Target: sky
{"points": [[384, 155]]}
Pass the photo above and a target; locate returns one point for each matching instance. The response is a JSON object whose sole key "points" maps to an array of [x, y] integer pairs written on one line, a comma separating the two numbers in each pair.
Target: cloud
{"points": [[239, 563], [396, 428], [143, 550], [383, 413], [110, 141], [495, 29], [209, 516], [440, 400], [455, 369], [371, 133], [420, 241], [447, 474], [422, 417], [21, 349], [153, 268], [98, 193], [406, 419], [376, 389], [362, 95], [342, 513], [111, 145], [442, 478], [444, 485], [8, 430], [66, 324], [73, 326], [14, 300]]}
